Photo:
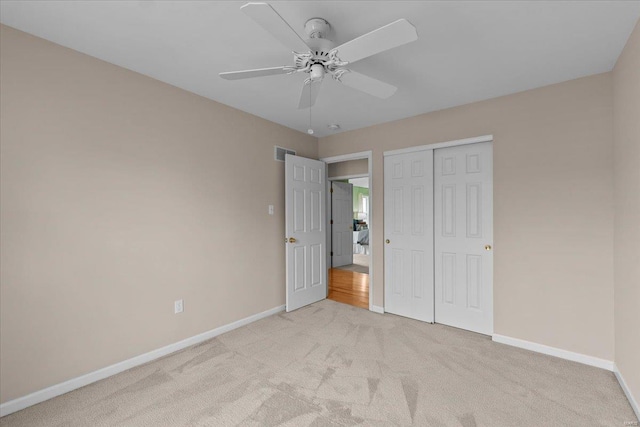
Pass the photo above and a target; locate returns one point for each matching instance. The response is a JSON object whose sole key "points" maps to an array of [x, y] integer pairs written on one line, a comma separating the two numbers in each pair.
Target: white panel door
{"points": [[408, 229], [341, 223], [305, 192], [463, 199]]}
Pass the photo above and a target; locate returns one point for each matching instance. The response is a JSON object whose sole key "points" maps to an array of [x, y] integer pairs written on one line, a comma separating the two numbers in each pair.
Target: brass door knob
{"points": [[487, 247], [292, 240], [388, 241]]}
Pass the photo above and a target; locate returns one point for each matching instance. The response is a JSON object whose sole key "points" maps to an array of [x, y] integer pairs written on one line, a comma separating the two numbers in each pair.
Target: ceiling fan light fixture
{"points": [[334, 126], [317, 72]]}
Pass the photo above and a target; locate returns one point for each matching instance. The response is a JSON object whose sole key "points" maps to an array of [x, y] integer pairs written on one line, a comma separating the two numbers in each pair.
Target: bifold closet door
{"points": [[463, 226], [408, 228]]}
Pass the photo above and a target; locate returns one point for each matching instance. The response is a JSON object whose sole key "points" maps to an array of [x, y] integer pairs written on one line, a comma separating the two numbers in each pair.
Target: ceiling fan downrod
{"points": [[317, 28]]}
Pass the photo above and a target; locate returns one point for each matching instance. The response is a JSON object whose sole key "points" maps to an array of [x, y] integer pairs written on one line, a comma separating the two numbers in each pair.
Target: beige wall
{"points": [[349, 168], [553, 205], [626, 131], [119, 195]]}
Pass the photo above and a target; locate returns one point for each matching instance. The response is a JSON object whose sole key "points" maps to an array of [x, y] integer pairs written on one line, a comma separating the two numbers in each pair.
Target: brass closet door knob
{"points": [[388, 241], [292, 240], [487, 247]]}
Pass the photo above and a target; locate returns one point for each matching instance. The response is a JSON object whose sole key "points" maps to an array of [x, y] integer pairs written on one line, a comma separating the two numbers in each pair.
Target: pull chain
{"points": [[310, 130]]}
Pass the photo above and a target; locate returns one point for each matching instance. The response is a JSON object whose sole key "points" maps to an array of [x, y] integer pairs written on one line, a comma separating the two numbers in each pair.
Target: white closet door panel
{"points": [[463, 227], [408, 207]]}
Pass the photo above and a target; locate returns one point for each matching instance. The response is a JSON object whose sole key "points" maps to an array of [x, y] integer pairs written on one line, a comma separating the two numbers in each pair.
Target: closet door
{"points": [[463, 226], [408, 228]]}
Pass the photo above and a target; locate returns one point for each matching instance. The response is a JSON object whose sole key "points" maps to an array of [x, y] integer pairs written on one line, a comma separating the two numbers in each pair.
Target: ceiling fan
{"points": [[318, 56]]}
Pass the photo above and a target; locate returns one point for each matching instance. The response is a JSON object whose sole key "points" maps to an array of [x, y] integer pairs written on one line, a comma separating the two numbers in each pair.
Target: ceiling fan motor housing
{"points": [[320, 48], [318, 61]]}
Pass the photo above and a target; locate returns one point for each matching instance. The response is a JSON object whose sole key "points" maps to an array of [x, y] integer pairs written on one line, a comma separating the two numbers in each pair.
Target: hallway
{"points": [[349, 287]]}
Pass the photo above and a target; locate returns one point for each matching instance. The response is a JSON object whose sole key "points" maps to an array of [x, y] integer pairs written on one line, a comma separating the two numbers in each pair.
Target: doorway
{"points": [[349, 195], [348, 278]]}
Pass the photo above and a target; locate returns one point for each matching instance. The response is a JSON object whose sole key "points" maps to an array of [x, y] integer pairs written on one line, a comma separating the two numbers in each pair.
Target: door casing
{"points": [[372, 224]]}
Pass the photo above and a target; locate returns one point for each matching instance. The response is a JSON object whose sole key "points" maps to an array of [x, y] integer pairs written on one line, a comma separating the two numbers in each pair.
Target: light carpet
{"points": [[360, 264], [331, 364]]}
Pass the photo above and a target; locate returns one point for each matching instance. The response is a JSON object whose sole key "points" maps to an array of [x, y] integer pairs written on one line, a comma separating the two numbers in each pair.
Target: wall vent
{"points": [[279, 153]]}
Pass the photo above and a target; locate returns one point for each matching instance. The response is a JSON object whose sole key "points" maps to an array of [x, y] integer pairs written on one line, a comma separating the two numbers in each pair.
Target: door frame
{"points": [[474, 140], [343, 158], [433, 147]]}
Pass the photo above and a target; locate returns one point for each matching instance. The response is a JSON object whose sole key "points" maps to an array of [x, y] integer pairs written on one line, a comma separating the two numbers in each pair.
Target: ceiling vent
{"points": [[279, 153]]}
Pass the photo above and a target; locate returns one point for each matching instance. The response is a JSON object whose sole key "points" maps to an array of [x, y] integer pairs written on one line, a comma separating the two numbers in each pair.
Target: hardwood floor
{"points": [[349, 287]]}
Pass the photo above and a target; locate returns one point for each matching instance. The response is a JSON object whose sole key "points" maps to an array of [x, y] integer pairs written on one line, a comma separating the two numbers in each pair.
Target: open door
{"points": [[341, 224], [305, 198]]}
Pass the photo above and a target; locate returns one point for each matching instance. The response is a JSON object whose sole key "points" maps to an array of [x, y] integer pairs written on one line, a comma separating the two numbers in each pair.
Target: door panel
{"points": [[342, 227], [408, 207], [306, 238], [463, 225]]}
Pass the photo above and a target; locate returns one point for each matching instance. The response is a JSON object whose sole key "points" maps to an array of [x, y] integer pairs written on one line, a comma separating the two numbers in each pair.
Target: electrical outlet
{"points": [[270, 209], [178, 306]]}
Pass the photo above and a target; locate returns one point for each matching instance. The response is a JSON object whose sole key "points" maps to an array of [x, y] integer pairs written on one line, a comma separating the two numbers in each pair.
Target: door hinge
{"points": [[331, 222], [331, 190], [331, 253]]}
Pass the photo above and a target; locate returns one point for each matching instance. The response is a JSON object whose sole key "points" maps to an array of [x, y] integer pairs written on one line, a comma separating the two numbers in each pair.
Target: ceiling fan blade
{"points": [[368, 84], [309, 94], [271, 21], [260, 72], [384, 38]]}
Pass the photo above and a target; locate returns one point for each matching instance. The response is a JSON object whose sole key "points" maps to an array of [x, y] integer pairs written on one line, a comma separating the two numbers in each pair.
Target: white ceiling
{"points": [[466, 51]]}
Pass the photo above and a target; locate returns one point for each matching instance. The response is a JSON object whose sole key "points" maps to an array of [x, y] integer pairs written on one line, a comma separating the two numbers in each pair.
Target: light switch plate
{"points": [[178, 306]]}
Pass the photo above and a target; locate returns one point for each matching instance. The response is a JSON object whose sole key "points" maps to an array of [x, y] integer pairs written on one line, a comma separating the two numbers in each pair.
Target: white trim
{"points": [[356, 156], [372, 229], [627, 391], [377, 309], [83, 380], [554, 351], [474, 140], [337, 178], [346, 157]]}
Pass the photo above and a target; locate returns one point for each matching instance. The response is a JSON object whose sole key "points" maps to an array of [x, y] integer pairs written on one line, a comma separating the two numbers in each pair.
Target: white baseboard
{"points": [[377, 309], [627, 391], [83, 380], [553, 351]]}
